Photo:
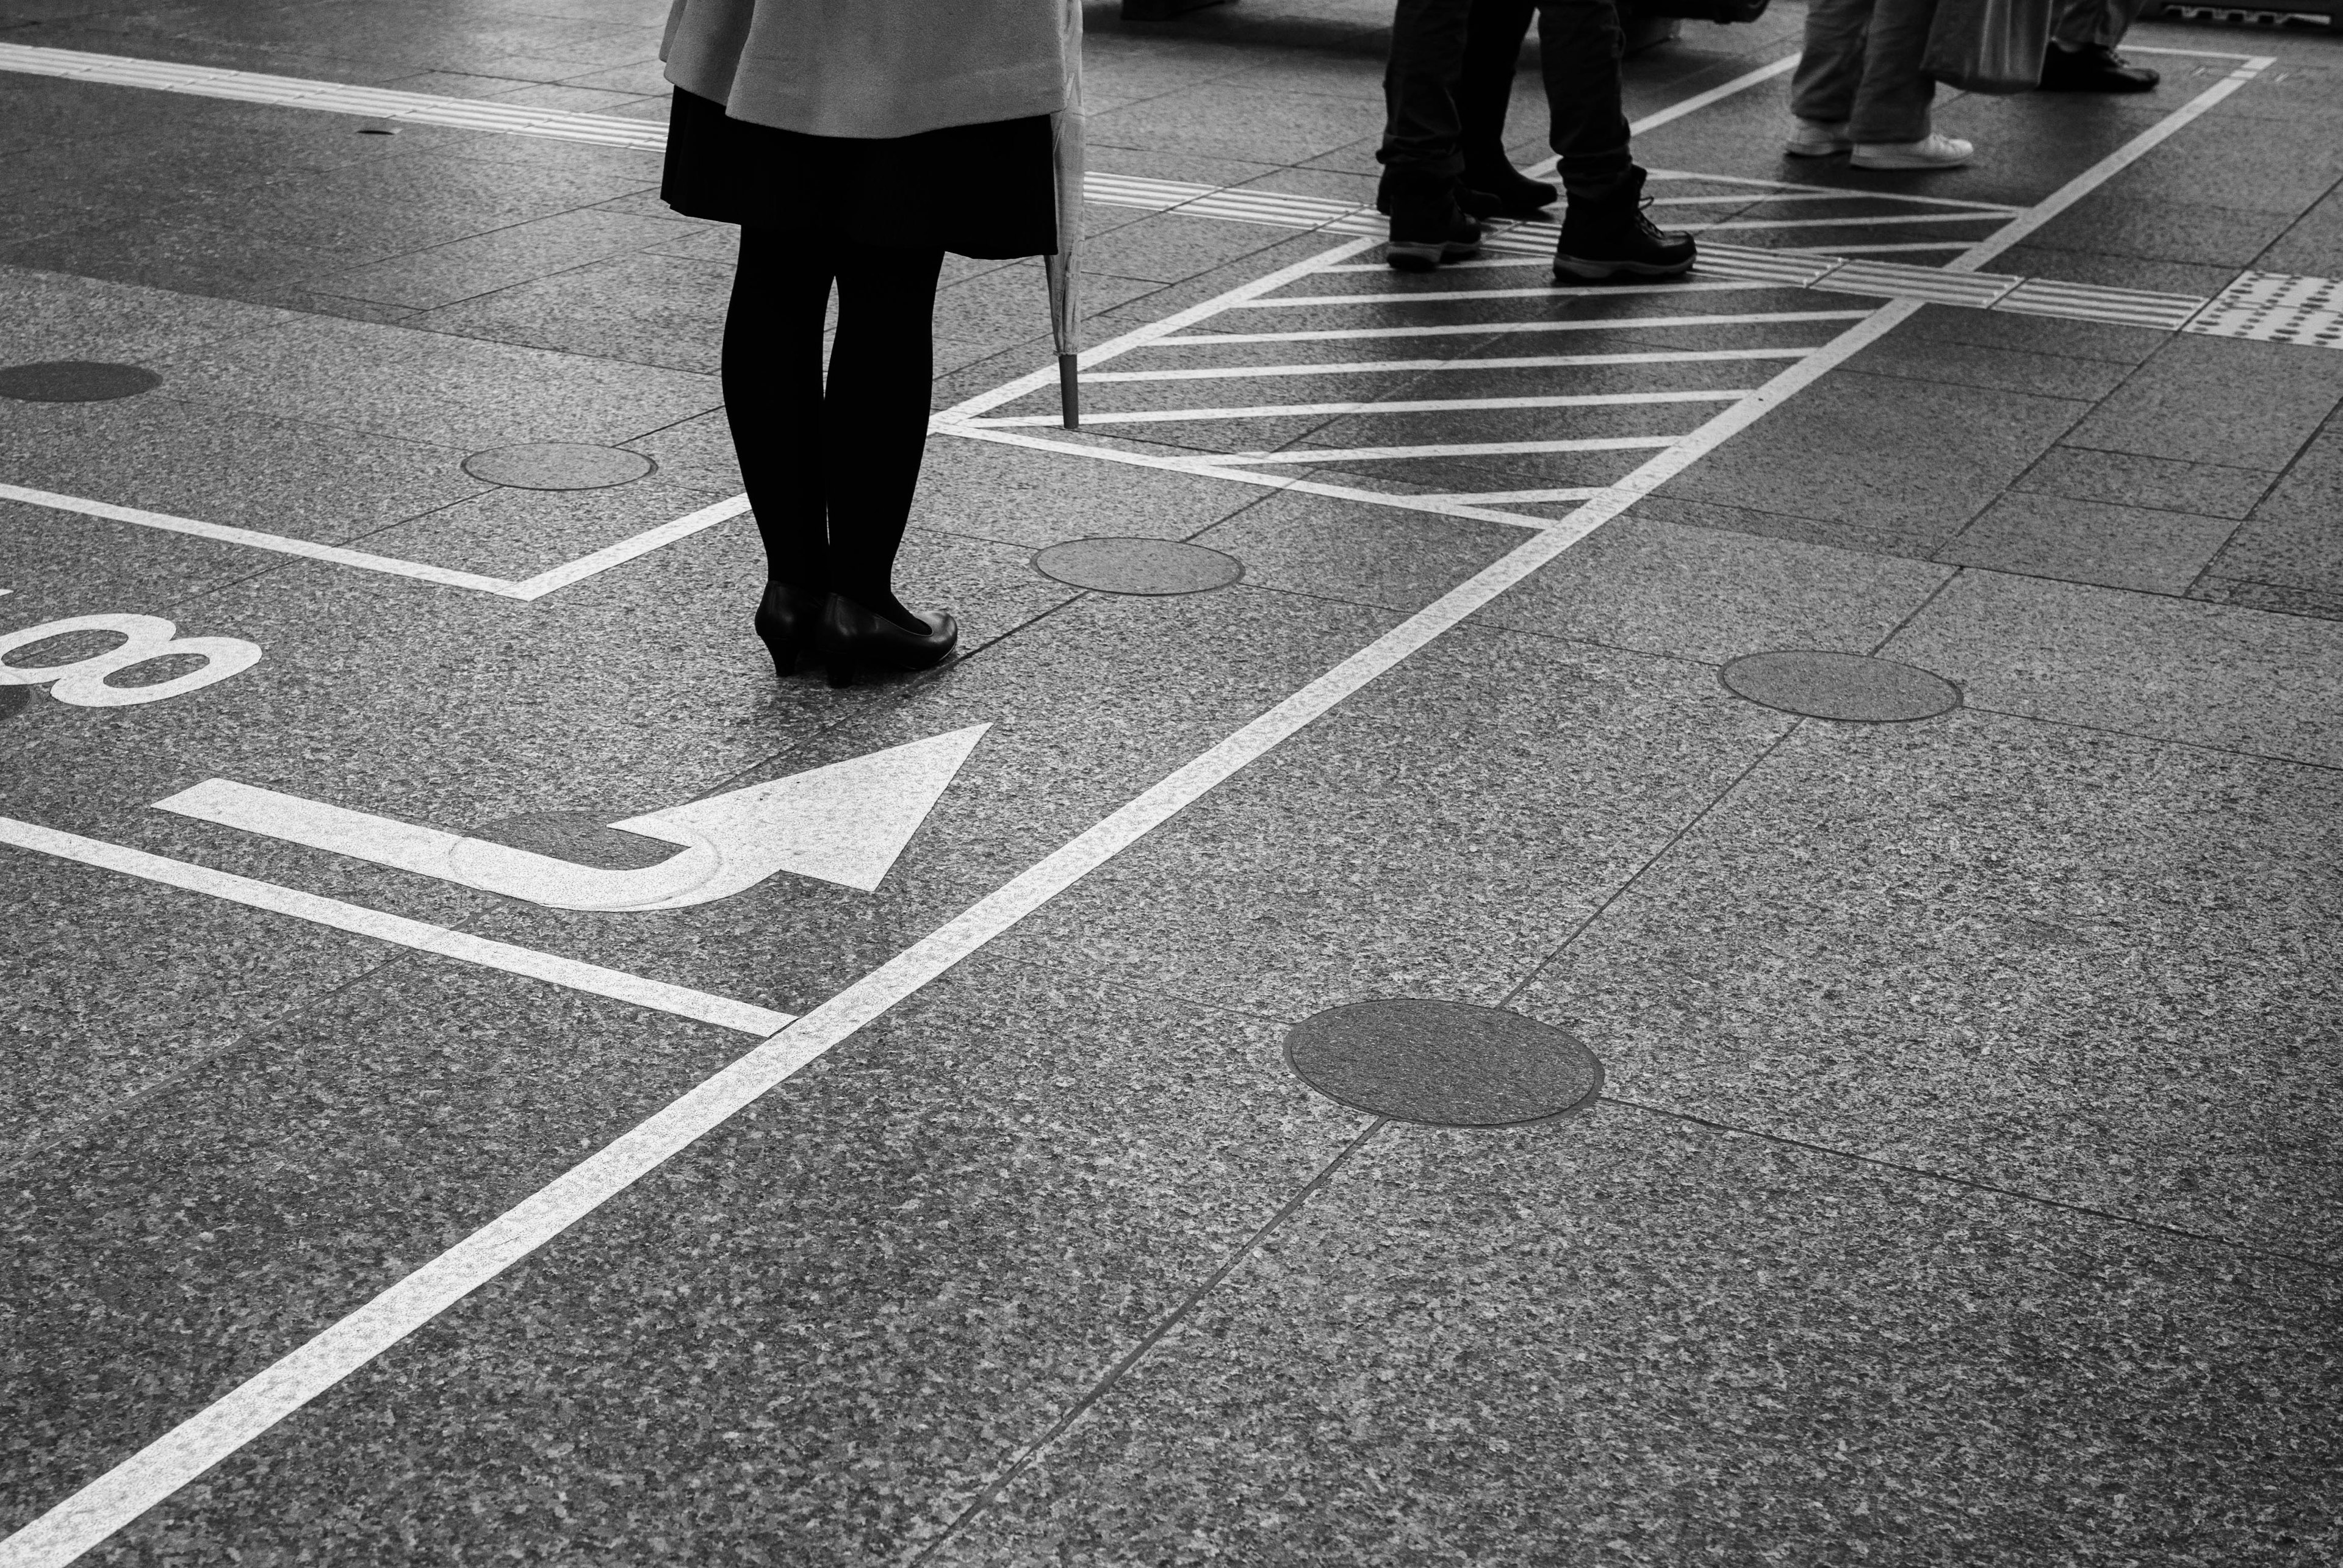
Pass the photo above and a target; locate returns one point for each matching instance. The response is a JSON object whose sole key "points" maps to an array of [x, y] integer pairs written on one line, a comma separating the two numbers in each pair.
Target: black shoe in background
{"points": [[1427, 226], [2094, 68], [1605, 234], [1501, 190]]}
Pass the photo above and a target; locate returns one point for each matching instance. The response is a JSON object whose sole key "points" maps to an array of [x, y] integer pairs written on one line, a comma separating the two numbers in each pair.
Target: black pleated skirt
{"points": [[983, 190]]}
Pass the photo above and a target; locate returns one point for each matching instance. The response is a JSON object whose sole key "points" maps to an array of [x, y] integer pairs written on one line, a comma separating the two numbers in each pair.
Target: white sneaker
{"points": [[1818, 139], [1935, 151]]}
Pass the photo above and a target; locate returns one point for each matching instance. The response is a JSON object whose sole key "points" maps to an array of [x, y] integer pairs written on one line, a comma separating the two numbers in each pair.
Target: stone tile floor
{"points": [[1963, 1185]]}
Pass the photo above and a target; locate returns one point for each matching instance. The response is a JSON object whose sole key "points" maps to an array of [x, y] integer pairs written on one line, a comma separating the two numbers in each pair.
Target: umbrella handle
{"points": [[1069, 392]]}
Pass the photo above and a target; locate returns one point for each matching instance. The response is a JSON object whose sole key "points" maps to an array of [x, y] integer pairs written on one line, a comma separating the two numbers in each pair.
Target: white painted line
{"points": [[1840, 250], [1306, 455], [1666, 175], [443, 940], [1517, 497], [1451, 295], [137, 1484], [1867, 221], [1523, 362], [534, 588], [625, 550], [1698, 101], [1501, 329], [1818, 193], [277, 542], [1396, 405]]}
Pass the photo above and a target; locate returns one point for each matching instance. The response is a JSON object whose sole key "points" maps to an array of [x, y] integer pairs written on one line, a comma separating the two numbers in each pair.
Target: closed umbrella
{"points": [[1065, 267]]}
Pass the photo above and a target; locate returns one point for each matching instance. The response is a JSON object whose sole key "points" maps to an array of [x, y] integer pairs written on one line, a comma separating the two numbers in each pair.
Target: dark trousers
{"points": [[1451, 73], [830, 469]]}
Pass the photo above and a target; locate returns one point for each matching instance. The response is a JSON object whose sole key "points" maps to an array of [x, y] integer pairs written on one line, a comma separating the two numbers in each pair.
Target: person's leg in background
{"points": [[1830, 69], [874, 433], [1484, 90], [1604, 233], [773, 401], [2082, 57], [1421, 151], [1889, 124]]}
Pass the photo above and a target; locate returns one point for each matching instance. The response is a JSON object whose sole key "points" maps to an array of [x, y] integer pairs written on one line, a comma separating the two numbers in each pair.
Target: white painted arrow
{"points": [[845, 823]]}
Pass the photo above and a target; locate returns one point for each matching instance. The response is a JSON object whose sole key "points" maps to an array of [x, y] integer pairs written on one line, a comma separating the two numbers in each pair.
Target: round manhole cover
{"points": [[557, 466], [76, 381], [1843, 686], [1445, 1064], [1138, 566]]}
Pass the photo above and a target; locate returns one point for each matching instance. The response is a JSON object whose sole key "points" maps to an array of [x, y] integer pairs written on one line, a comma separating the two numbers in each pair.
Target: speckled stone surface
{"points": [[1633, 1340], [831, 1322], [2038, 958]]}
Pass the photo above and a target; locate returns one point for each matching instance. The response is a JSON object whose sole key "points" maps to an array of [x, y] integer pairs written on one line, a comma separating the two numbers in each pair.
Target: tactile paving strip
{"points": [[2092, 302], [1898, 280], [2276, 307]]}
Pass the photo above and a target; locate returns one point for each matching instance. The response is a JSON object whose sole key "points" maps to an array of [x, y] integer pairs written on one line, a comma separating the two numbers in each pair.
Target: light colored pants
{"points": [[1862, 65], [2081, 22]]}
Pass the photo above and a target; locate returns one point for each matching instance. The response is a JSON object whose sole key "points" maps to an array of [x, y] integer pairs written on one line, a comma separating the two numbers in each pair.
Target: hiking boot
{"points": [[1501, 190], [2094, 68], [1604, 233], [1934, 151], [1427, 226]]}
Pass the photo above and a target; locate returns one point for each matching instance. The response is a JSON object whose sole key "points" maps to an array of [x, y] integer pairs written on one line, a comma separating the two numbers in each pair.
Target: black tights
{"points": [[830, 471]]}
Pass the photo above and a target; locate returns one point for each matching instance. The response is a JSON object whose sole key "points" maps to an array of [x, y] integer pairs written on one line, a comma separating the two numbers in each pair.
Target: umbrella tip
{"points": [[1069, 392]]}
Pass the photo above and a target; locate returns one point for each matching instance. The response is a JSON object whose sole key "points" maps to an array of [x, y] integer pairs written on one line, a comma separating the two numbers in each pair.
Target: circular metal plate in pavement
{"points": [[1445, 1064], [1138, 566], [1841, 686], [76, 381], [557, 466]]}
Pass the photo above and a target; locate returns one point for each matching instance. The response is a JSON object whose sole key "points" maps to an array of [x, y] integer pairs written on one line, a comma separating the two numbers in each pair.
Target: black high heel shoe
{"points": [[854, 640], [789, 620]]}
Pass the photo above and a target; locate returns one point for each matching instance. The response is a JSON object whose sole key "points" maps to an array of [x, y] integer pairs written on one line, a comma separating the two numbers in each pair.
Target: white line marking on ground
{"points": [[1826, 192], [1867, 221], [1396, 405], [534, 588], [99, 1509], [1499, 328], [1527, 362], [1307, 454], [443, 940], [1518, 497]]}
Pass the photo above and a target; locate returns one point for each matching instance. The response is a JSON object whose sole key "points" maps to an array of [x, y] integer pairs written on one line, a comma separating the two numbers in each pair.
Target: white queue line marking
{"points": [[1449, 296], [97, 1510], [1306, 455], [1500, 328], [445, 941], [1396, 405], [1496, 362], [526, 589]]}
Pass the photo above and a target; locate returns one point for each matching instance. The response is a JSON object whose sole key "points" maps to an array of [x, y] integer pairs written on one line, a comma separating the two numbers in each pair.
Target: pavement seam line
{"points": [[99, 1509]]}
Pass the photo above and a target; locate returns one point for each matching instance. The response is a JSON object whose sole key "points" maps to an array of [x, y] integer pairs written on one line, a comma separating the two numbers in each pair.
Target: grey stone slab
{"points": [[2135, 480], [2312, 246], [867, 1290], [658, 310], [2090, 542], [431, 386], [2009, 330], [1357, 551], [2047, 960], [2203, 279], [2239, 160], [1949, 451], [1023, 496], [2118, 220], [1998, 369], [699, 446], [1466, 813], [2292, 538], [1012, 305], [505, 257], [518, 533], [57, 316], [197, 254], [1165, 247], [2280, 598], [1659, 587], [60, 564], [2169, 669], [388, 206], [2219, 400], [1628, 1339], [162, 1256], [189, 458]]}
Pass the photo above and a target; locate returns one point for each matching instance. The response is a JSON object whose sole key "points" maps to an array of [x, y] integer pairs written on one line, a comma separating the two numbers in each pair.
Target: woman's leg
{"points": [[1892, 103], [874, 417], [1830, 67], [772, 400]]}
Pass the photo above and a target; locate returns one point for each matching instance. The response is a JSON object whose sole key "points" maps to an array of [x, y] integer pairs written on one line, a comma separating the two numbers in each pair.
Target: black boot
{"points": [[1427, 226], [1498, 189], [2094, 68], [1605, 234], [855, 639]]}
